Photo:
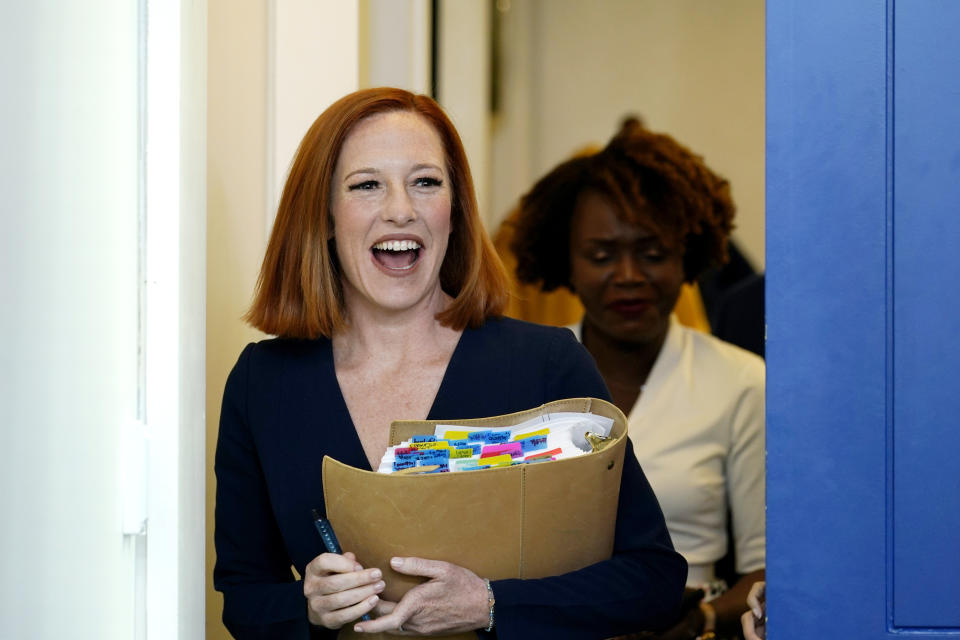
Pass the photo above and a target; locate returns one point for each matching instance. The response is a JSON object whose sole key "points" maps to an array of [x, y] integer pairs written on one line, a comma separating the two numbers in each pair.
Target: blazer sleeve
{"points": [[261, 598], [639, 588]]}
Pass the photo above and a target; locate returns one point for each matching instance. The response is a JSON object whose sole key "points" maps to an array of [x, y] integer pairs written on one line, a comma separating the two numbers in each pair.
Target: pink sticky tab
{"points": [[402, 450], [515, 449]]}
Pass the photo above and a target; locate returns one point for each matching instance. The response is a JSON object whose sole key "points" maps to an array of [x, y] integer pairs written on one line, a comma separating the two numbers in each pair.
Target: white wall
{"points": [[691, 68], [68, 281], [87, 280]]}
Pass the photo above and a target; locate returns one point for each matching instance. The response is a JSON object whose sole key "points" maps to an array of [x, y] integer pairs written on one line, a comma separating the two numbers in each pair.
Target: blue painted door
{"points": [[863, 318]]}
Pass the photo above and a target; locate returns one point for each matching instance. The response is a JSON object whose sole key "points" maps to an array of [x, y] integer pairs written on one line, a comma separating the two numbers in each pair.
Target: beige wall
{"points": [[236, 198], [269, 75], [692, 68]]}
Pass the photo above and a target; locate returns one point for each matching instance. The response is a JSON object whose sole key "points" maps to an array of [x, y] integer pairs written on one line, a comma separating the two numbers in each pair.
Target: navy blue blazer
{"points": [[283, 411]]}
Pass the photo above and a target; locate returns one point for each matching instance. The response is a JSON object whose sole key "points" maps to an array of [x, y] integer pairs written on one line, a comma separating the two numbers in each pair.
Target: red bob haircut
{"points": [[299, 293]]}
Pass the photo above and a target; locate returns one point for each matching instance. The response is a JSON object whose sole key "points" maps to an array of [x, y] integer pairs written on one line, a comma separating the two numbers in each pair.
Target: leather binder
{"points": [[523, 521]]}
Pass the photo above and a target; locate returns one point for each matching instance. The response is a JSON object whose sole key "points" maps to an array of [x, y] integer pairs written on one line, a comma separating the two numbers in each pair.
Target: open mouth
{"points": [[397, 255]]}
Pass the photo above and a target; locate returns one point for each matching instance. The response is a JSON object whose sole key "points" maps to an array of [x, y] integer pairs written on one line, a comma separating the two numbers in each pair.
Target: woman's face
{"points": [[391, 213], [626, 277]]}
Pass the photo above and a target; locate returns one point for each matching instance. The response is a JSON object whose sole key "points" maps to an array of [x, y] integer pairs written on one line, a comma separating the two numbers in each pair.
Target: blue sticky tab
{"points": [[435, 456], [408, 457], [533, 443], [403, 464], [424, 438], [457, 444], [498, 437], [479, 436]]}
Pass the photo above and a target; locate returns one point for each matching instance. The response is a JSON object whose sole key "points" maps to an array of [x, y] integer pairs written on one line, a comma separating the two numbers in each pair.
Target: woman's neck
{"points": [[625, 366], [392, 337]]}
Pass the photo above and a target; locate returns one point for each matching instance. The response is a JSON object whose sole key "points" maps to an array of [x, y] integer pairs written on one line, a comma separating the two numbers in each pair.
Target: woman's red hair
{"points": [[299, 293]]}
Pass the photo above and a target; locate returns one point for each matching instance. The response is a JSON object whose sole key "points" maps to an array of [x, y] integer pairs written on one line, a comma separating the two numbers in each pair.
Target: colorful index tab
{"points": [[497, 437], [533, 443], [436, 444], [545, 454], [496, 461], [513, 449], [529, 434]]}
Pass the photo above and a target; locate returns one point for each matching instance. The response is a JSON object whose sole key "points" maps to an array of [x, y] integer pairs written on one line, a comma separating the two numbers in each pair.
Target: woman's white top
{"points": [[698, 432]]}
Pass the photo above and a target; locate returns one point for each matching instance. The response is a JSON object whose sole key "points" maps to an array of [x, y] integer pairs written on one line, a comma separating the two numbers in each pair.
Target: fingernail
{"points": [[357, 567], [396, 562], [375, 574], [358, 628], [372, 600], [379, 585]]}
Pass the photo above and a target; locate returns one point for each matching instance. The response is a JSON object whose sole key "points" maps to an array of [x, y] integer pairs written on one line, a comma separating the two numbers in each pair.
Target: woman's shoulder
{"points": [[726, 361], [270, 353], [512, 327], [520, 335]]}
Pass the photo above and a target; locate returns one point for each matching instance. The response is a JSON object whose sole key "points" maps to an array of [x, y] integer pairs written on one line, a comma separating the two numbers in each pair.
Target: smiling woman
{"points": [[385, 293], [623, 229]]}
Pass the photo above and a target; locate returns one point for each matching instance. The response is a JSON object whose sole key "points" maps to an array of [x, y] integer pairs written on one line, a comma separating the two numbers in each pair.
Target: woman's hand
{"points": [[454, 599], [339, 590], [755, 620]]}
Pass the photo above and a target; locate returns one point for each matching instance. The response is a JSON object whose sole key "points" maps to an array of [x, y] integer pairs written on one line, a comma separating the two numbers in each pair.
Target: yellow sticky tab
{"points": [[439, 444], [541, 432], [466, 452], [496, 461], [456, 435]]}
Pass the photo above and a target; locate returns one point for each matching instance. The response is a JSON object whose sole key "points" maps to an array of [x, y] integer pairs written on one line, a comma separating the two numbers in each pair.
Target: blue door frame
{"points": [[863, 247]]}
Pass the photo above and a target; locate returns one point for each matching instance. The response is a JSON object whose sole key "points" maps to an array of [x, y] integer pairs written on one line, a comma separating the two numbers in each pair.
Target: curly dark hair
{"points": [[650, 177]]}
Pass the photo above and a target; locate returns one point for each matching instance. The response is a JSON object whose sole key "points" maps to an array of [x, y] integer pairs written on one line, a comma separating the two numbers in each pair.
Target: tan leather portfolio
{"points": [[522, 521]]}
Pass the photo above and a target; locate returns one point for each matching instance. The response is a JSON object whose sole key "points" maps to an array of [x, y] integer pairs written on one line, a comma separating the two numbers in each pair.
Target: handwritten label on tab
{"points": [[478, 436], [403, 464], [497, 437], [533, 443], [462, 452], [425, 438], [437, 444]]}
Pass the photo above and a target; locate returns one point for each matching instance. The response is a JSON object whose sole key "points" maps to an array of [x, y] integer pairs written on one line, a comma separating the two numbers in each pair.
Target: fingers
{"points": [[334, 619], [391, 622], [755, 598], [327, 563], [339, 590], [746, 621], [420, 567]]}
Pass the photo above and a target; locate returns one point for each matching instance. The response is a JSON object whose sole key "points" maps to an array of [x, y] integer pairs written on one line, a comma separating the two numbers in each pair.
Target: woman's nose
{"points": [[627, 272], [399, 208]]}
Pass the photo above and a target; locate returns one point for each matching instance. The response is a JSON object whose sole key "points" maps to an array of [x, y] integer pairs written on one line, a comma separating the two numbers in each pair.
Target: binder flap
{"points": [[524, 521]]}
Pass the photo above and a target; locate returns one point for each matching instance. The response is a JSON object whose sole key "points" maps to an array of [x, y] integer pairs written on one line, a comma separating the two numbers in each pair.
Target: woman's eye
{"points": [[599, 256], [654, 256], [427, 182], [366, 185]]}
